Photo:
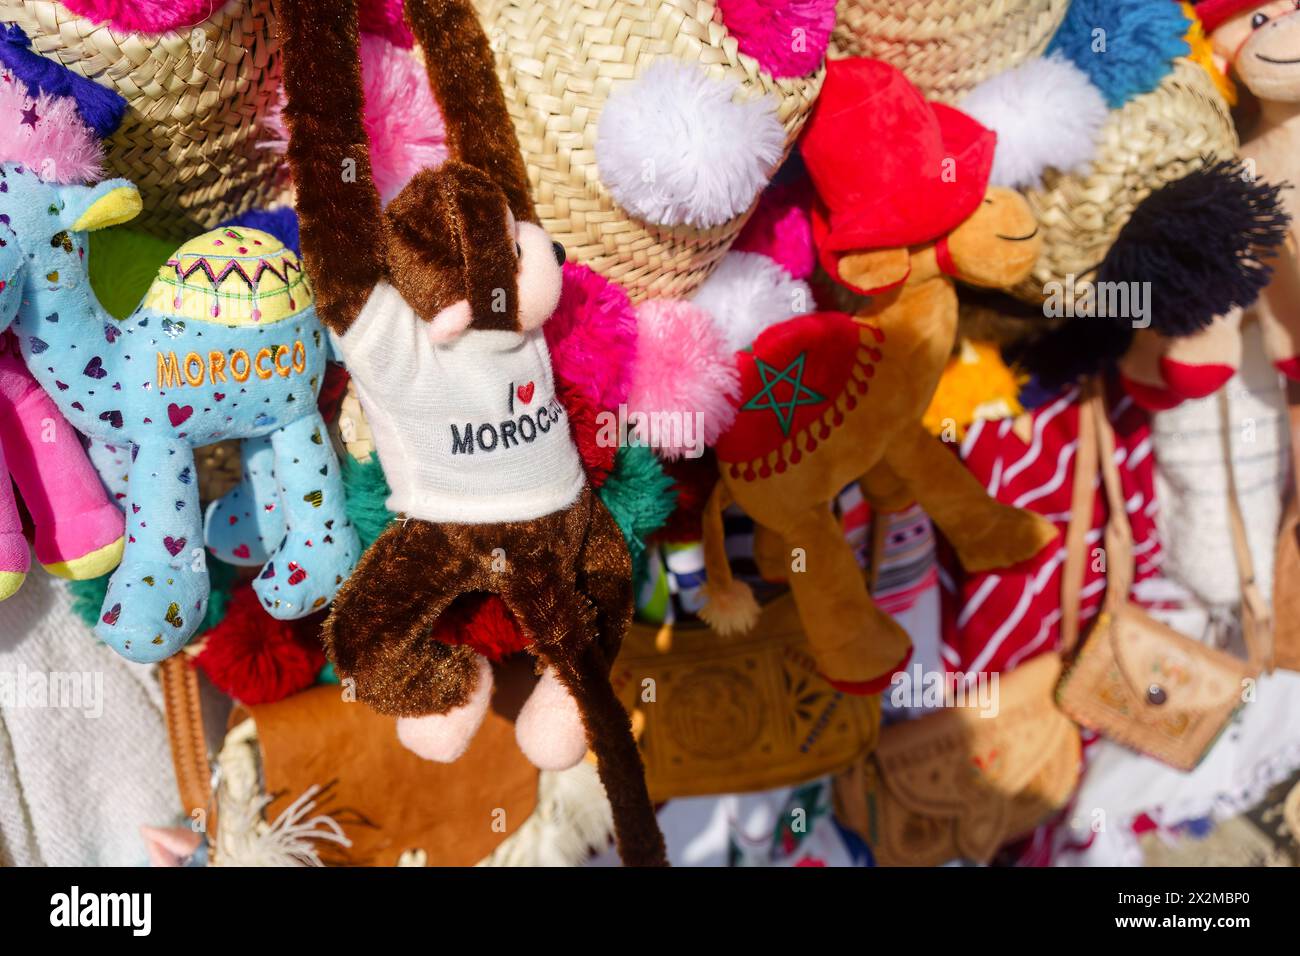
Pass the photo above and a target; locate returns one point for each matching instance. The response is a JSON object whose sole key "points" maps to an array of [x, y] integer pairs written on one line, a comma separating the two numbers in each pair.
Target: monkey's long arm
{"points": [[338, 206], [464, 82]]}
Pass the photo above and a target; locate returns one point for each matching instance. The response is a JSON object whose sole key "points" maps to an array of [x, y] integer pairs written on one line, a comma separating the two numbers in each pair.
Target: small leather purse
{"points": [[1136, 680], [957, 784]]}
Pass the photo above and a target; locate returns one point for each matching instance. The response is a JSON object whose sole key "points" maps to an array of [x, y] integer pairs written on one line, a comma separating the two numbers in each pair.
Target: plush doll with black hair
{"points": [[436, 303]]}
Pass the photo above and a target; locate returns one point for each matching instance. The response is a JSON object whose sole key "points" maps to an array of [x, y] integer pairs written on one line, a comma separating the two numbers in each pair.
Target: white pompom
{"points": [[1046, 112], [675, 146], [749, 292]]}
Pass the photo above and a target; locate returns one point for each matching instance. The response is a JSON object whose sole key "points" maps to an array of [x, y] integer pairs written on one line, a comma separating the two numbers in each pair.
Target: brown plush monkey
{"points": [[436, 304]]}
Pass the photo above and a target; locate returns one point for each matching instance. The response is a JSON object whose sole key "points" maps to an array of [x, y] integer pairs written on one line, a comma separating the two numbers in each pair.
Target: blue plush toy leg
{"points": [[320, 546], [245, 524], [158, 595]]}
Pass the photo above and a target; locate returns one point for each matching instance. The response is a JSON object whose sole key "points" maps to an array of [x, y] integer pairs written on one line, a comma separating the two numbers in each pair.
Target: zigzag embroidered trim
{"points": [[792, 450]]}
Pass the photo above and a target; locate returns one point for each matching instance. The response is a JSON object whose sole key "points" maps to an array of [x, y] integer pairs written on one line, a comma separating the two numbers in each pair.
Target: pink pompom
{"points": [[47, 135], [685, 374], [781, 228], [384, 17], [593, 337], [402, 118], [144, 16], [786, 37]]}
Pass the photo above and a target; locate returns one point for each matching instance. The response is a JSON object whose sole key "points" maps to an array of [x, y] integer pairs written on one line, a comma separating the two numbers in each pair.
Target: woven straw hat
{"points": [[947, 47], [1149, 142], [197, 99], [558, 61]]}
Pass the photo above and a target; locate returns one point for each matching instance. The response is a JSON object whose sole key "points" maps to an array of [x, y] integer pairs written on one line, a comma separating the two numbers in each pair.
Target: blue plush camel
{"points": [[225, 344]]}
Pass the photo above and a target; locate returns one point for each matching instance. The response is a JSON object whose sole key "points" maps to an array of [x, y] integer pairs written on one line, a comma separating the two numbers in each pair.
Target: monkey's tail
{"points": [[609, 729]]}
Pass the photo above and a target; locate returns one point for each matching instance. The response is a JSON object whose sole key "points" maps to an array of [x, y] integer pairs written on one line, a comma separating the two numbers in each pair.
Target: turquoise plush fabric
{"points": [[168, 382]]}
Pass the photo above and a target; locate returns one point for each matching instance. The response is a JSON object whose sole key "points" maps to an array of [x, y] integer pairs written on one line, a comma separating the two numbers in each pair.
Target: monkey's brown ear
{"points": [[463, 78]]}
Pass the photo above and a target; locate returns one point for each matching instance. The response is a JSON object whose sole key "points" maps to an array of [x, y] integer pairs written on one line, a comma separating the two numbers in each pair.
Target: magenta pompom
{"points": [[144, 16], [401, 116], [686, 381], [786, 37], [47, 135], [384, 17], [781, 229], [593, 337]]}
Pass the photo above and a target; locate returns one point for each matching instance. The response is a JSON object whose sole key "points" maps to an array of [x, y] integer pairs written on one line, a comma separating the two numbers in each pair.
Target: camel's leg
{"points": [[320, 547], [245, 524], [158, 596], [986, 533], [857, 645]]}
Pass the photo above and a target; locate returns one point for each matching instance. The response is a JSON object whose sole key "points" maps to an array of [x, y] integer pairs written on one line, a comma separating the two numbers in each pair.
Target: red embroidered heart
{"points": [[111, 616], [296, 574], [178, 415], [241, 551], [525, 393]]}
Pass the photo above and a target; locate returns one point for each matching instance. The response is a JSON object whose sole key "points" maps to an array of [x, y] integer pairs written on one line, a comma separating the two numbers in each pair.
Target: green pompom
{"points": [[366, 489], [123, 264], [639, 495]]}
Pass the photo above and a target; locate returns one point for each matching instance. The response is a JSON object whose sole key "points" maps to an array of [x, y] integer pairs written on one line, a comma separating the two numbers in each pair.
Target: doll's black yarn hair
{"points": [[1203, 242]]}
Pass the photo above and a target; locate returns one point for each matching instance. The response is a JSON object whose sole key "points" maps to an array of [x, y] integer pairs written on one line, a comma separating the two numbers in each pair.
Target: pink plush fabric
{"points": [[145, 16], [384, 17], [47, 134], [402, 119], [549, 728], [593, 337], [684, 368], [786, 37], [61, 490], [781, 228], [442, 738]]}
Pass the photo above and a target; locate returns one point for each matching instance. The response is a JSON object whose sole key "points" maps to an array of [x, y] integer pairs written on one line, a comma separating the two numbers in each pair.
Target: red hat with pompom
{"points": [[890, 168], [1214, 13]]}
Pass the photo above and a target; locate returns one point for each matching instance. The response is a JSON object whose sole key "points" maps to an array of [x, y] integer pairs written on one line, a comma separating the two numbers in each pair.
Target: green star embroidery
{"points": [[766, 398]]}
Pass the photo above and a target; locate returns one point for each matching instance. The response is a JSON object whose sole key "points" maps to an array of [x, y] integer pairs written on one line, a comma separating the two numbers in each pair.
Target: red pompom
{"points": [[693, 480], [256, 659], [597, 456], [484, 623]]}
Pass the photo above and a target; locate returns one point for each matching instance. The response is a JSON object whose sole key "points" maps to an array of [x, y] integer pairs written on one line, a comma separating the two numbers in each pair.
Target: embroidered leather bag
{"points": [[1137, 680], [720, 714], [956, 784]]}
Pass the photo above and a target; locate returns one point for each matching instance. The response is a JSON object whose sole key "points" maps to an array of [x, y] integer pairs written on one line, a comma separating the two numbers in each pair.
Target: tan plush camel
{"points": [[830, 398]]}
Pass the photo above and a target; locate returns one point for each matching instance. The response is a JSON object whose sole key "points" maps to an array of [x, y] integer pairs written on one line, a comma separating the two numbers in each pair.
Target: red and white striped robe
{"points": [[995, 620]]}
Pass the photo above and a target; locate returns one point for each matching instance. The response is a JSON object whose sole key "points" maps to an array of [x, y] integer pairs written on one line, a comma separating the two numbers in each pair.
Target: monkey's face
{"points": [[461, 261], [541, 273], [1263, 44]]}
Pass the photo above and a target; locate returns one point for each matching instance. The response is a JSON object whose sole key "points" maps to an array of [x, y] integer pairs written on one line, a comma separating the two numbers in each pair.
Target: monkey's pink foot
{"points": [[444, 737], [549, 729]]}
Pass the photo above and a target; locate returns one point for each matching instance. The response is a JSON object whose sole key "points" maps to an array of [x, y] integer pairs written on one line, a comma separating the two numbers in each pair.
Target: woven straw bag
{"points": [[947, 47], [197, 101], [558, 61], [1149, 142]]}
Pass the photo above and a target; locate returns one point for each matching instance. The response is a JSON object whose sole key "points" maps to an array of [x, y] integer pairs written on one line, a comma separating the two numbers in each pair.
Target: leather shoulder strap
{"points": [[180, 687], [1081, 511], [1256, 626]]}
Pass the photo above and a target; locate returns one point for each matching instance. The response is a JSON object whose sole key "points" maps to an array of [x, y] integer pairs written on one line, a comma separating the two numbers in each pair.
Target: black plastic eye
{"points": [[1259, 19], [559, 249], [519, 252]]}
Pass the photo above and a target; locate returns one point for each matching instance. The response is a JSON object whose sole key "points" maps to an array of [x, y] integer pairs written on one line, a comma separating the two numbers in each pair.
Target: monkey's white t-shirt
{"points": [[467, 431]]}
